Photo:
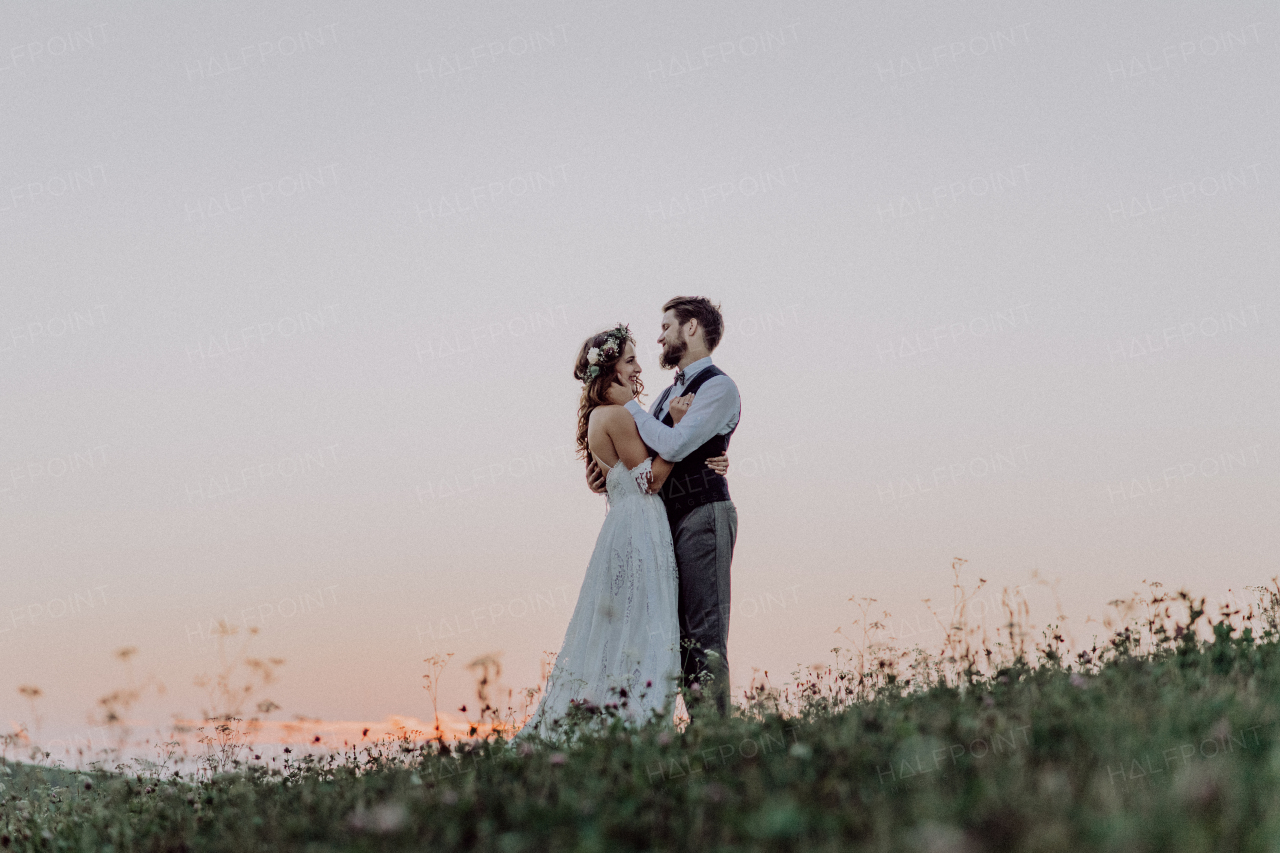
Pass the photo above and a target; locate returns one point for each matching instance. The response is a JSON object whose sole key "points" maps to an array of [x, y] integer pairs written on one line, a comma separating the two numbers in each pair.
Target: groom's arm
{"points": [[714, 408], [595, 477]]}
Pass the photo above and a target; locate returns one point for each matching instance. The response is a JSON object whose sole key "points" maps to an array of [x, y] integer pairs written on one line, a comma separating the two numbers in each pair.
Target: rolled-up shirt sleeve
{"points": [[715, 407]]}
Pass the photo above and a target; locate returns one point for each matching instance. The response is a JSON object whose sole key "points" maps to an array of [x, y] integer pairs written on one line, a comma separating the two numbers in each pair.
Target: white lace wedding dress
{"points": [[622, 644]]}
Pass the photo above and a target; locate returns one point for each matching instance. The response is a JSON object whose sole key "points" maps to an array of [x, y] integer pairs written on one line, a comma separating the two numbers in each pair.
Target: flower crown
{"points": [[614, 342]]}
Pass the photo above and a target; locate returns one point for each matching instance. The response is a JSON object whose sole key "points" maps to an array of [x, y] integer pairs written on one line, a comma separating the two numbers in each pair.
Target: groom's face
{"points": [[673, 342]]}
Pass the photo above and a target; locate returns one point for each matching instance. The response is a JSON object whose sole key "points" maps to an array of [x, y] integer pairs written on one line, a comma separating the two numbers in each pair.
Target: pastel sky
{"points": [[290, 298]]}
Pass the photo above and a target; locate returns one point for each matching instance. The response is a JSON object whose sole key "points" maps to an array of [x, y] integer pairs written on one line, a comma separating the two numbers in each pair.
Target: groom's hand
{"points": [[595, 477]]}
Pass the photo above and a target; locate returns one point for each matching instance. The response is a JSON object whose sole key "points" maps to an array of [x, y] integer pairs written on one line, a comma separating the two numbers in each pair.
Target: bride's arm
{"points": [[661, 468], [632, 450]]}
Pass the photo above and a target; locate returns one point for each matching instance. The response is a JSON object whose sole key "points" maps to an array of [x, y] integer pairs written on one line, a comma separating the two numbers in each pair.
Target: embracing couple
{"points": [[653, 611]]}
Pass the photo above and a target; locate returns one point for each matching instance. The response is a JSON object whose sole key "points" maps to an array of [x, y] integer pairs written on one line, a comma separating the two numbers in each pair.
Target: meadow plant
{"points": [[1160, 735]]}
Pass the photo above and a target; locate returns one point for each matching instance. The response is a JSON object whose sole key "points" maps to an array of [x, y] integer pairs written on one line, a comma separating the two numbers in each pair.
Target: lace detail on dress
{"points": [[622, 643], [629, 482], [643, 474]]}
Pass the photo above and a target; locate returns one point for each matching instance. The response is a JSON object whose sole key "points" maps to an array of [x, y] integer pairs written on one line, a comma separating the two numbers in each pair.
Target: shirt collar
{"points": [[693, 368]]}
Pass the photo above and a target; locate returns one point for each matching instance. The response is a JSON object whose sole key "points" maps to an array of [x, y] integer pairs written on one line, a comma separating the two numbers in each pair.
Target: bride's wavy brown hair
{"points": [[595, 389]]}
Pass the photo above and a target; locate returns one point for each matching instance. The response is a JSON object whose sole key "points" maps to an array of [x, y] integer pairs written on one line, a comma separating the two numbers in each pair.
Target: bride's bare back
{"points": [[612, 435]]}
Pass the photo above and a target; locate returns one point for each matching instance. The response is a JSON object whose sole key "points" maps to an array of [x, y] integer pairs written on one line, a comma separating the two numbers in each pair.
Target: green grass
{"points": [[1164, 737]]}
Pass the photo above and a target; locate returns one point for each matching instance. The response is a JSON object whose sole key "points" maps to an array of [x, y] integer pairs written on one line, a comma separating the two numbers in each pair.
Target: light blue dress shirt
{"points": [[715, 410]]}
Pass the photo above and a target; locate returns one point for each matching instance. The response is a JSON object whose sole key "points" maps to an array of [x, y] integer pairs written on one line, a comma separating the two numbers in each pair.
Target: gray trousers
{"points": [[703, 540]]}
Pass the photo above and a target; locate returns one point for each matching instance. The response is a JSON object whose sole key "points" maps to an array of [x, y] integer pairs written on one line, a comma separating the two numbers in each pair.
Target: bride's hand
{"points": [[719, 464], [679, 406], [619, 394]]}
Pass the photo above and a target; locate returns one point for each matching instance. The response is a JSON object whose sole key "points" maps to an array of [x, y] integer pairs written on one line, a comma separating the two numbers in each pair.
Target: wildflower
{"points": [[558, 758], [1078, 680]]}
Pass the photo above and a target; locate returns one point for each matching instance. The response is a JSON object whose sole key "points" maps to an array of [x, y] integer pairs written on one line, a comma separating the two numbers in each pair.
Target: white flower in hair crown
{"points": [[615, 340]]}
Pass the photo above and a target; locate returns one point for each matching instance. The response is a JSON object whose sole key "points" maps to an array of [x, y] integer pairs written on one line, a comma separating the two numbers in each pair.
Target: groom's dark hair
{"points": [[698, 308]]}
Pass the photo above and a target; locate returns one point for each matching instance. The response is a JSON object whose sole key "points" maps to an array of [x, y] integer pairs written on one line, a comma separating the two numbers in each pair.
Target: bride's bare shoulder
{"points": [[606, 413]]}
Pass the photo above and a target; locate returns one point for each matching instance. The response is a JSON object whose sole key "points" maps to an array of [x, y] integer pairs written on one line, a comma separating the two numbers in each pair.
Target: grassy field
{"points": [[1164, 737]]}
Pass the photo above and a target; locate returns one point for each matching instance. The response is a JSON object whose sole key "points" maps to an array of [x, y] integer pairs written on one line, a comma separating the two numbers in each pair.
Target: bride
{"points": [[621, 649]]}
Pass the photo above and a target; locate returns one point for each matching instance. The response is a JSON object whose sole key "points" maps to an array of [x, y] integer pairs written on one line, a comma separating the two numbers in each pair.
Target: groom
{"points": [[704, 521]]}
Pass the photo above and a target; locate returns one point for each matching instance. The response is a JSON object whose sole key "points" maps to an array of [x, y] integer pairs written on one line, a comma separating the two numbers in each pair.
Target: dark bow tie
{"points": [[679, 377]]}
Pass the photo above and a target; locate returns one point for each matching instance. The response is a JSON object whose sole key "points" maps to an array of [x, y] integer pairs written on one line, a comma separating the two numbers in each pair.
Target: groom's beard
{"points": [[672, 353]]}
